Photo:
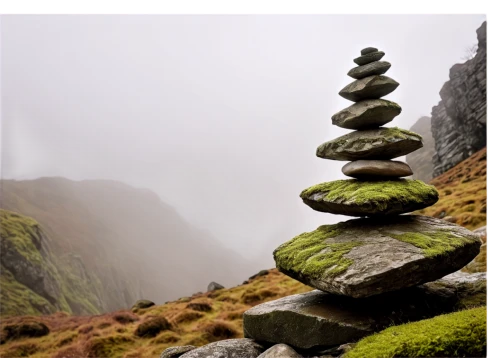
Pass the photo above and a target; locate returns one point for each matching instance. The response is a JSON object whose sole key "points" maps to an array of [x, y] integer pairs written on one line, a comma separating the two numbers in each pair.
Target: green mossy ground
{"points": [[459, 334], [380, 193], [310, 255]]}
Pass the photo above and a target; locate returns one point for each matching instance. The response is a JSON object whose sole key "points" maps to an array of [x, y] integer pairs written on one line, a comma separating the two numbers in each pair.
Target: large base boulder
{"points": [[315, 321]]}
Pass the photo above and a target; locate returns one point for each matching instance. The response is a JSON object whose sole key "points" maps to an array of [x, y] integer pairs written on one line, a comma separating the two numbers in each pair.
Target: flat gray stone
{"points": [[368, 50], [176, 352], [376, 169], [316, 320], [370, 69], [367, 114], [280, 351], [371, 87], [229, 348], [369, 57], [366, 257], [380, 143]]}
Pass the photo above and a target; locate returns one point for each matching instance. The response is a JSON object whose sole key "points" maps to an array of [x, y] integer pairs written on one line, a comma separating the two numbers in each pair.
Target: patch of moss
{"points": [[309, 254], [432, 243], [380, 194], [459, 334]]}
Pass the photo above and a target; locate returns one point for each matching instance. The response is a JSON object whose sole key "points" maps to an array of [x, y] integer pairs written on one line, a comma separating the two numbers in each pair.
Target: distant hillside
{"points": [[420, 160], [134, 245]]}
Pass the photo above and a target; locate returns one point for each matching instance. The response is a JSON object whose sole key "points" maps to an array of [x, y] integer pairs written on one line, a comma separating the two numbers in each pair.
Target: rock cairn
{"points": [[372, 261]]}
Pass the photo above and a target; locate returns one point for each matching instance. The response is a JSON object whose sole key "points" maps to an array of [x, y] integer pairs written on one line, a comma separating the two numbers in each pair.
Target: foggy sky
{"points": [[220, 115]]}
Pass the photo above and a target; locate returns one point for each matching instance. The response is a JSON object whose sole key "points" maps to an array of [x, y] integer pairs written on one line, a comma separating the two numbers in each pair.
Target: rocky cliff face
{"points": [[419, 160], [458, 122]]}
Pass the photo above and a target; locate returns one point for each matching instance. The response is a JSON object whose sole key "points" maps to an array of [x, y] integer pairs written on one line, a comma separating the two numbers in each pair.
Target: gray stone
{"points": [[214, 286], [381, 143], [369, 57], [280, 351], [229, 348], [371, 87], [141, 304], [176, 352], [366, 257], [371, 113], [373, 68], [367, 169], [368, 50], [315, 320], [382, 197]]}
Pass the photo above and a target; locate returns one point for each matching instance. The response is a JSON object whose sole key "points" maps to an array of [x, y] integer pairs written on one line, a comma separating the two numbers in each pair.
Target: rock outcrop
{"points": [[459, 120]]}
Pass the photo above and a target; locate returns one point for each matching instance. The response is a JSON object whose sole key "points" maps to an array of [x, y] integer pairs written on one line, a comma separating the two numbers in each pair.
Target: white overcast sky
{"points": [[220, 115]]}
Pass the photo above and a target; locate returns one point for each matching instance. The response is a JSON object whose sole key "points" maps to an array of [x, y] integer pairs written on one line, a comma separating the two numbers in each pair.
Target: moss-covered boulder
{"points": [[370, 198], [367, 114], [381, 143], [365, 257], [371, 87], [317, 320], [459, 334]]}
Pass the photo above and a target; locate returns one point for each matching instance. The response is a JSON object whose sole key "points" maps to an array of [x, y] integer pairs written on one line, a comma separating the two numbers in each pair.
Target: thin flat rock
{"points": [[369, 57], [372, 68], [366, 257], [371, 87], [367, 114], [314, 320], [372, 169], [368, 50], [229, 348], [354, 197], [380, 143]]}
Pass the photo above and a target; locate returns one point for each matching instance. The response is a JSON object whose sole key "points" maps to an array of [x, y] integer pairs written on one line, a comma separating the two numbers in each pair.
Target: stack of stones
{"points": [[369, 270]]}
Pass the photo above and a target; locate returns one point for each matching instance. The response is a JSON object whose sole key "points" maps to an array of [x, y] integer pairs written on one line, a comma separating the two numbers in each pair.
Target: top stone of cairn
{"points": [[368, 50]]}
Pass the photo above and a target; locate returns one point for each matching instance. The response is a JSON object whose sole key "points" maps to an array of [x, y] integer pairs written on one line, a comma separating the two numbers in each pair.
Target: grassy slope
{"points": [[103, 335]]}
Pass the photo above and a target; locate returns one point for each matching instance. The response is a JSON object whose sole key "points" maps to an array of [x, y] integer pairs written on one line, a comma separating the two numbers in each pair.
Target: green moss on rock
{"points": [[459, 334], [433, 243], [379, 194], [310, 255]]}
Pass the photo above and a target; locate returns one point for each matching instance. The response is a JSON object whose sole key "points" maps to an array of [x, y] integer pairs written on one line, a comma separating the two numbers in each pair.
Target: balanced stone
{"points": [[381, 143], [353, 197], [370, 113], [366, 257], [368, 50], [370, 169], [229, 348], [371, 87], [373, 68], [315, 320], [369, 57]]}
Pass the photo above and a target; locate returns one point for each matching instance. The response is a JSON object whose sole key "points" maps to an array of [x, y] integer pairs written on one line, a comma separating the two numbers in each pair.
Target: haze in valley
{"points": [[218, 115]]}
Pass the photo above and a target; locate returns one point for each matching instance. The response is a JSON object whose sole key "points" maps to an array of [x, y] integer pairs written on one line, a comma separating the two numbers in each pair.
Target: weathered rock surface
{"points": [[140, 304], [367, 114], [212, 286], [280, 351], [316, 320], [176, 352], [368, 50], [381, 143], [371, 87], [459, 120], [229, 348], [367, 169], [479, 262], [366, 257], [420, 160], [370, 198], [369, 57], [370, 69]]}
